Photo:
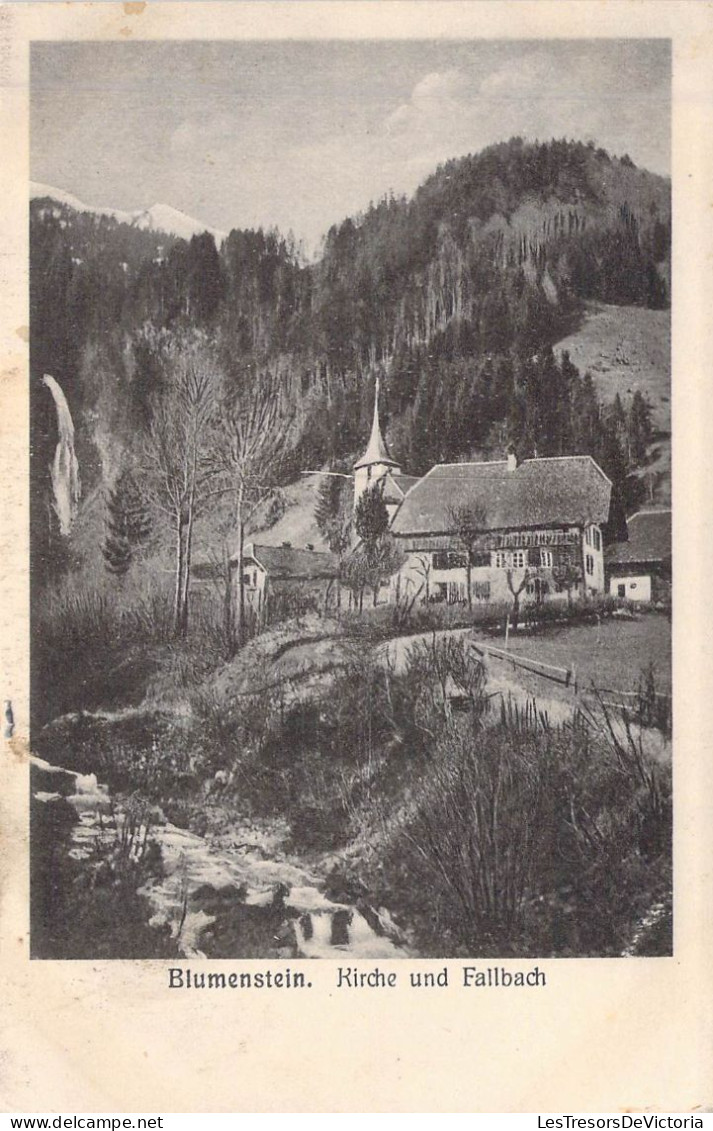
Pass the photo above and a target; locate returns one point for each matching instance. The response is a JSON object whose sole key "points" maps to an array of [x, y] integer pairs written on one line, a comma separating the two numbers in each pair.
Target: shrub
{"points": [[654, 705], [286, 604], [540, 617], [387, 621], [83, 637], [526, 839], [91, 907]]}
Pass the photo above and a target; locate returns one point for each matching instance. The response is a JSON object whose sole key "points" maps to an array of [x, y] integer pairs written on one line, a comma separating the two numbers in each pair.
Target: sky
{"points": [[301, 134]]}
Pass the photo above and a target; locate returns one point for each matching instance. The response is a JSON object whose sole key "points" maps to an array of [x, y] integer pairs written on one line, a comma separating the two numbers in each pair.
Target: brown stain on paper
{"points": [[135, 8], [19, 747]]}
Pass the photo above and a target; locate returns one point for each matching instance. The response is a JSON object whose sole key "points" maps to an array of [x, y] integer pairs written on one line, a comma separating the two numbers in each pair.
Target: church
{"points": [[491, 531]]}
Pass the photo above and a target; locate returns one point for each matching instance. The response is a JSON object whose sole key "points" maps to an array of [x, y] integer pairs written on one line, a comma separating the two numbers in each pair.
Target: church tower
{"points": [[376, 463]]}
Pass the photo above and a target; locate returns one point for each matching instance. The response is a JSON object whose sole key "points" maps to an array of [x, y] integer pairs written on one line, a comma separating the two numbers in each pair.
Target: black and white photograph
{"points": [[350, 500]]}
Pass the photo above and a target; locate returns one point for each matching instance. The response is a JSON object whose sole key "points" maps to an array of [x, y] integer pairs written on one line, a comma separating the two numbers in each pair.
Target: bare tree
{"points": [[468, 521], [517, 589], [567, 575], [354, 573], [250, 447], [367, 567], [422, 565], [385, 560], [179, 474]]}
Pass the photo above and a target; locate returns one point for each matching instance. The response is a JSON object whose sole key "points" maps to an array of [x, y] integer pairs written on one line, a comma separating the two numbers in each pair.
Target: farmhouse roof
{"points": [[649, 539], [286, 563], [396, 486], [562, 491]]}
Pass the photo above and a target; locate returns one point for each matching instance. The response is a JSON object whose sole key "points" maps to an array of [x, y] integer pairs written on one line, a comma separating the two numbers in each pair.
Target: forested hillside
{"points": [[455, 296]]}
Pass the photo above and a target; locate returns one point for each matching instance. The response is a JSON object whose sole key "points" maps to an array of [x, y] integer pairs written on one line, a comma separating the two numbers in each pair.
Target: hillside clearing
{"points": [[626, 349]]}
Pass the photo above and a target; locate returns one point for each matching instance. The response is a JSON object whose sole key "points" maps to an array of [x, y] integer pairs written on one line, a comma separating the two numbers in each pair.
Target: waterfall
{"points": [[64, 469]]}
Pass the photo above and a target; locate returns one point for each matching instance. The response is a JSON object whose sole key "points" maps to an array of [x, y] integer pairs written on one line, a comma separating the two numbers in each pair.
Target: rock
{"points": [[51, 779]]}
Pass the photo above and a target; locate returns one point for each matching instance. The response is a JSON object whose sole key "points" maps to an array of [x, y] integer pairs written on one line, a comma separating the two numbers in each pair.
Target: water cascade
{"points": [[206, 891], [64, 469]]}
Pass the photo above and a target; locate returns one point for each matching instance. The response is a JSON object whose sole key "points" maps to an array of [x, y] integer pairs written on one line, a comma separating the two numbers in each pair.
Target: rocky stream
{"points": [[230, 897]]}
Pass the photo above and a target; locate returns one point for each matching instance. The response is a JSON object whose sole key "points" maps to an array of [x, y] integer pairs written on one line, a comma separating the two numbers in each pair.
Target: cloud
{"points": [[436, 96], [529, 77], [563, 90], [438, 88]]}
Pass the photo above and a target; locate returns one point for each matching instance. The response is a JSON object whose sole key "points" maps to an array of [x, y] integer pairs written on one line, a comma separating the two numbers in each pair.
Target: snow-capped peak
{"points": [[159, 218], [164, 218]]}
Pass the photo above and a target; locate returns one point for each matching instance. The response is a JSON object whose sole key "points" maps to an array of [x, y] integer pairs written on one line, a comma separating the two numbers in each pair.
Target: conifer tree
{"points": [[639, 427], [334, 515], [333, 512], [127, 524], [371, 518]]}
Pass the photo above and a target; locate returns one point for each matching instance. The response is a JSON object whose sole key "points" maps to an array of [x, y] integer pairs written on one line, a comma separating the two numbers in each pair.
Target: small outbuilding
{"points": [[272, 570], [639, 569]]}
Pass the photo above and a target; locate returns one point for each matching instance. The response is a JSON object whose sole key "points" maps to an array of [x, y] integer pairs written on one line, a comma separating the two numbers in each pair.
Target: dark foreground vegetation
{"points": [[483, 829]]}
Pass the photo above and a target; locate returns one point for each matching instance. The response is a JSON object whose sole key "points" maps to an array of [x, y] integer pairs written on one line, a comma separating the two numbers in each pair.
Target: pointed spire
{"points": [[376, 451]]}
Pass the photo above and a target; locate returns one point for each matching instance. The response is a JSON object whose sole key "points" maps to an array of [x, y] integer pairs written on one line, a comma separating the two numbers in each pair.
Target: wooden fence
{"points": [[609, 697], [547, 671]]}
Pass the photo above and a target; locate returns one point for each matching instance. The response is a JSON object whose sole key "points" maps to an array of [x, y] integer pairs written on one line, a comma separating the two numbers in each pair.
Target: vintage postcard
{"points": [[355, 402]]}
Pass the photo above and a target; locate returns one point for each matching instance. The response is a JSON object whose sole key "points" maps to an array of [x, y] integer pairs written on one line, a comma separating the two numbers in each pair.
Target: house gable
{"points": [[649, 540]]}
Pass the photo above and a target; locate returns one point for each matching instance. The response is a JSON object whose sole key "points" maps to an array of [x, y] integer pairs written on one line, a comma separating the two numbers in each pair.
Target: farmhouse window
{"points": [[590, 563], [448, 559], [518, 559], [481, 590], [502, 560], [546, 558], [563, 556], [597, 539], [479, 558]]}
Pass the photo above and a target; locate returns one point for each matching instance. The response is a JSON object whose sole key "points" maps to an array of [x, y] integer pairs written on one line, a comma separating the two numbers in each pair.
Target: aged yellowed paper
{"points": [[267, 902]]}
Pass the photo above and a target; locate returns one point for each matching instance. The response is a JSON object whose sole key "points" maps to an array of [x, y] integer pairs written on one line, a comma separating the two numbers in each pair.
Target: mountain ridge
{"points": [[159, 217]]}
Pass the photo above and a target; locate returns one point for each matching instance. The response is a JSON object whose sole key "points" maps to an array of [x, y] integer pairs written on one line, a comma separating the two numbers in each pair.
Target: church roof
{"points": [[376, 450], [649, 539], [563, 491]]}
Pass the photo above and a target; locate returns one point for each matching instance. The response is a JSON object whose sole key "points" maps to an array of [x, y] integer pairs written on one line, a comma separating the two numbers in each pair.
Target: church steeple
{"points": [[376, 450], [376, 461]]}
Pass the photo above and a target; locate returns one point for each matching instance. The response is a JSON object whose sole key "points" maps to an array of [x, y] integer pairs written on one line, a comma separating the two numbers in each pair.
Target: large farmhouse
{"points": [[531, 529]]}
